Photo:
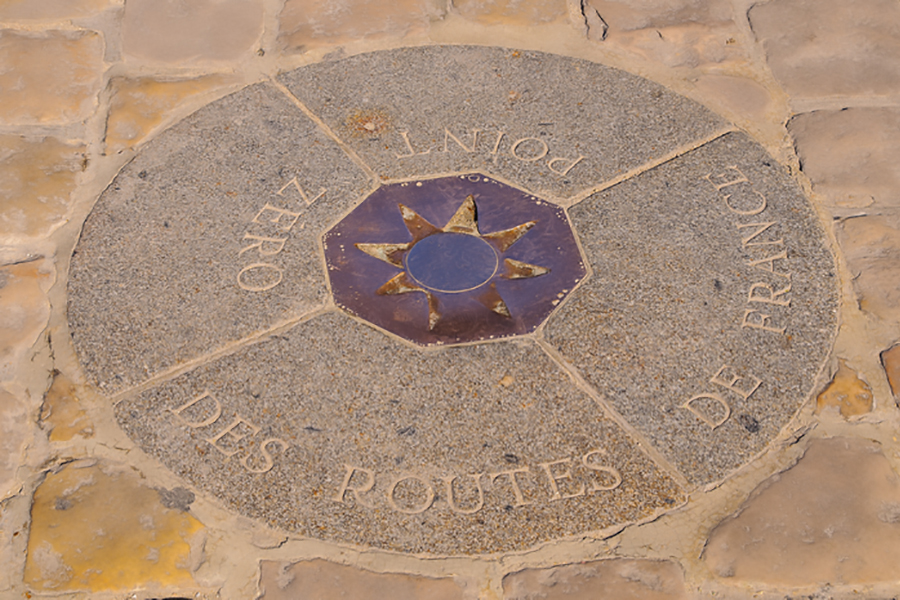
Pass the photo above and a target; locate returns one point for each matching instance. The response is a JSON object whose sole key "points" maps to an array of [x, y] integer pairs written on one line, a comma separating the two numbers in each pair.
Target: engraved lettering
{"points": [[303, 194], [541, 153], [513, 481], [730, 383], [703, 415], [356, 490], [275, 218], [405, 136], [426, 503], [448, 486], [770, 261], [496, 149], [760, 205], [761, 227], [235, 437], [769, 295], [216, 413], [276, 244], [268, 461], [256, 281], [565, 169], [567, 474], [755, 319], [731, 176], [610, 471], [448, 136]]}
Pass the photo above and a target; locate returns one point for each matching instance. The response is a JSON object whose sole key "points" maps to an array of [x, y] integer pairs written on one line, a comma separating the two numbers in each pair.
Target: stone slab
{"points": [[164, 271], [535, 113], [335, 431], [665, 317]]}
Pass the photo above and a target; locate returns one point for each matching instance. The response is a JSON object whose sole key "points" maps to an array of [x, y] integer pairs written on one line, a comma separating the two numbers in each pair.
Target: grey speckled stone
{"points": [[665, 308], [571, 108], [154, 279], [334, 397]]}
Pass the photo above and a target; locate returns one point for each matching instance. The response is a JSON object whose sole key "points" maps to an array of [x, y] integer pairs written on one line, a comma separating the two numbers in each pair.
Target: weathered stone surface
{"points": [[852, 156], [138, 106], [831, 47], [310, 23], [847, 393], [12, 10], [285, 430], [181, 216], [871, 246], [96, 527], [890, 359], [693, 295], [814, 524], [512, 12], [24, 310], [61, 412], [177, 31], [37, 178], [535, 113], [49, 77], [742, 96], [617, 579], [322, 580], [14, 428]]}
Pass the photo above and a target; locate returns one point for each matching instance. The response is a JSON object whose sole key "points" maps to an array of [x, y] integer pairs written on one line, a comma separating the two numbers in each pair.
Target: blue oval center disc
{"points": [[452, 262]]}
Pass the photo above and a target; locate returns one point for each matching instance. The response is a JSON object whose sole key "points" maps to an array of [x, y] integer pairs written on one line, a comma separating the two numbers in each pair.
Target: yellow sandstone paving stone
{"points": [[174, 31], [512, 12], [314, 23], [37, 178], [96, 527], [62, 413], [138, 106], [49, 77], [12, 10], [813, 523], [13, 428], [847, 392], [890, 359], [24, 310], [871, 245]]}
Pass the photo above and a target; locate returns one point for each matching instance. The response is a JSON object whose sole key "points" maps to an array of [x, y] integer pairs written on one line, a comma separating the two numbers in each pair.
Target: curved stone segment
{"points": [[209, 235], [337, 432], [712, 305], [553, 124]]}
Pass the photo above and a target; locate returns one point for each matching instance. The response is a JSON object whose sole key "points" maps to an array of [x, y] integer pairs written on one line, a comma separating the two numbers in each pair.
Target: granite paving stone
{"points": [[210, 234], [554, 125], [711, 308], [335, 431]]}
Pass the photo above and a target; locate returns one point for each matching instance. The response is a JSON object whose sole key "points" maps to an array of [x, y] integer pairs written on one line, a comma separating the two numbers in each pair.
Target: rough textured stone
{"points": [[24, 311], [49, 77], [618, 579], [831, 47], [322, 580], [61, 412], [11, 10], [138, 106], [310, 23], [37, 178], [178, 31], [14, 428], [890, 359], [535, 113], [852, 156], [742, 96], [871, 246], [181, 217], [668, 310], [847, 393], [812, 524], [512, 12], [280, 428], [96, 527]]}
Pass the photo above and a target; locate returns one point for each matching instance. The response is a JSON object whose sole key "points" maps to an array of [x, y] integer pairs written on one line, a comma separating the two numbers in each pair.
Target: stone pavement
{"points": [[449, 299]]}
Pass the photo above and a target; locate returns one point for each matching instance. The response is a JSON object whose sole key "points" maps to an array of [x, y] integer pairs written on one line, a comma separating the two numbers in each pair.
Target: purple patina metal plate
{"points": [[453, 260]]}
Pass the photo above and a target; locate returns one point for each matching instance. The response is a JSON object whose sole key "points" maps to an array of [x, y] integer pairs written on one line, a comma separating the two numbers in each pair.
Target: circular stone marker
{"points": [[528, 298]]}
